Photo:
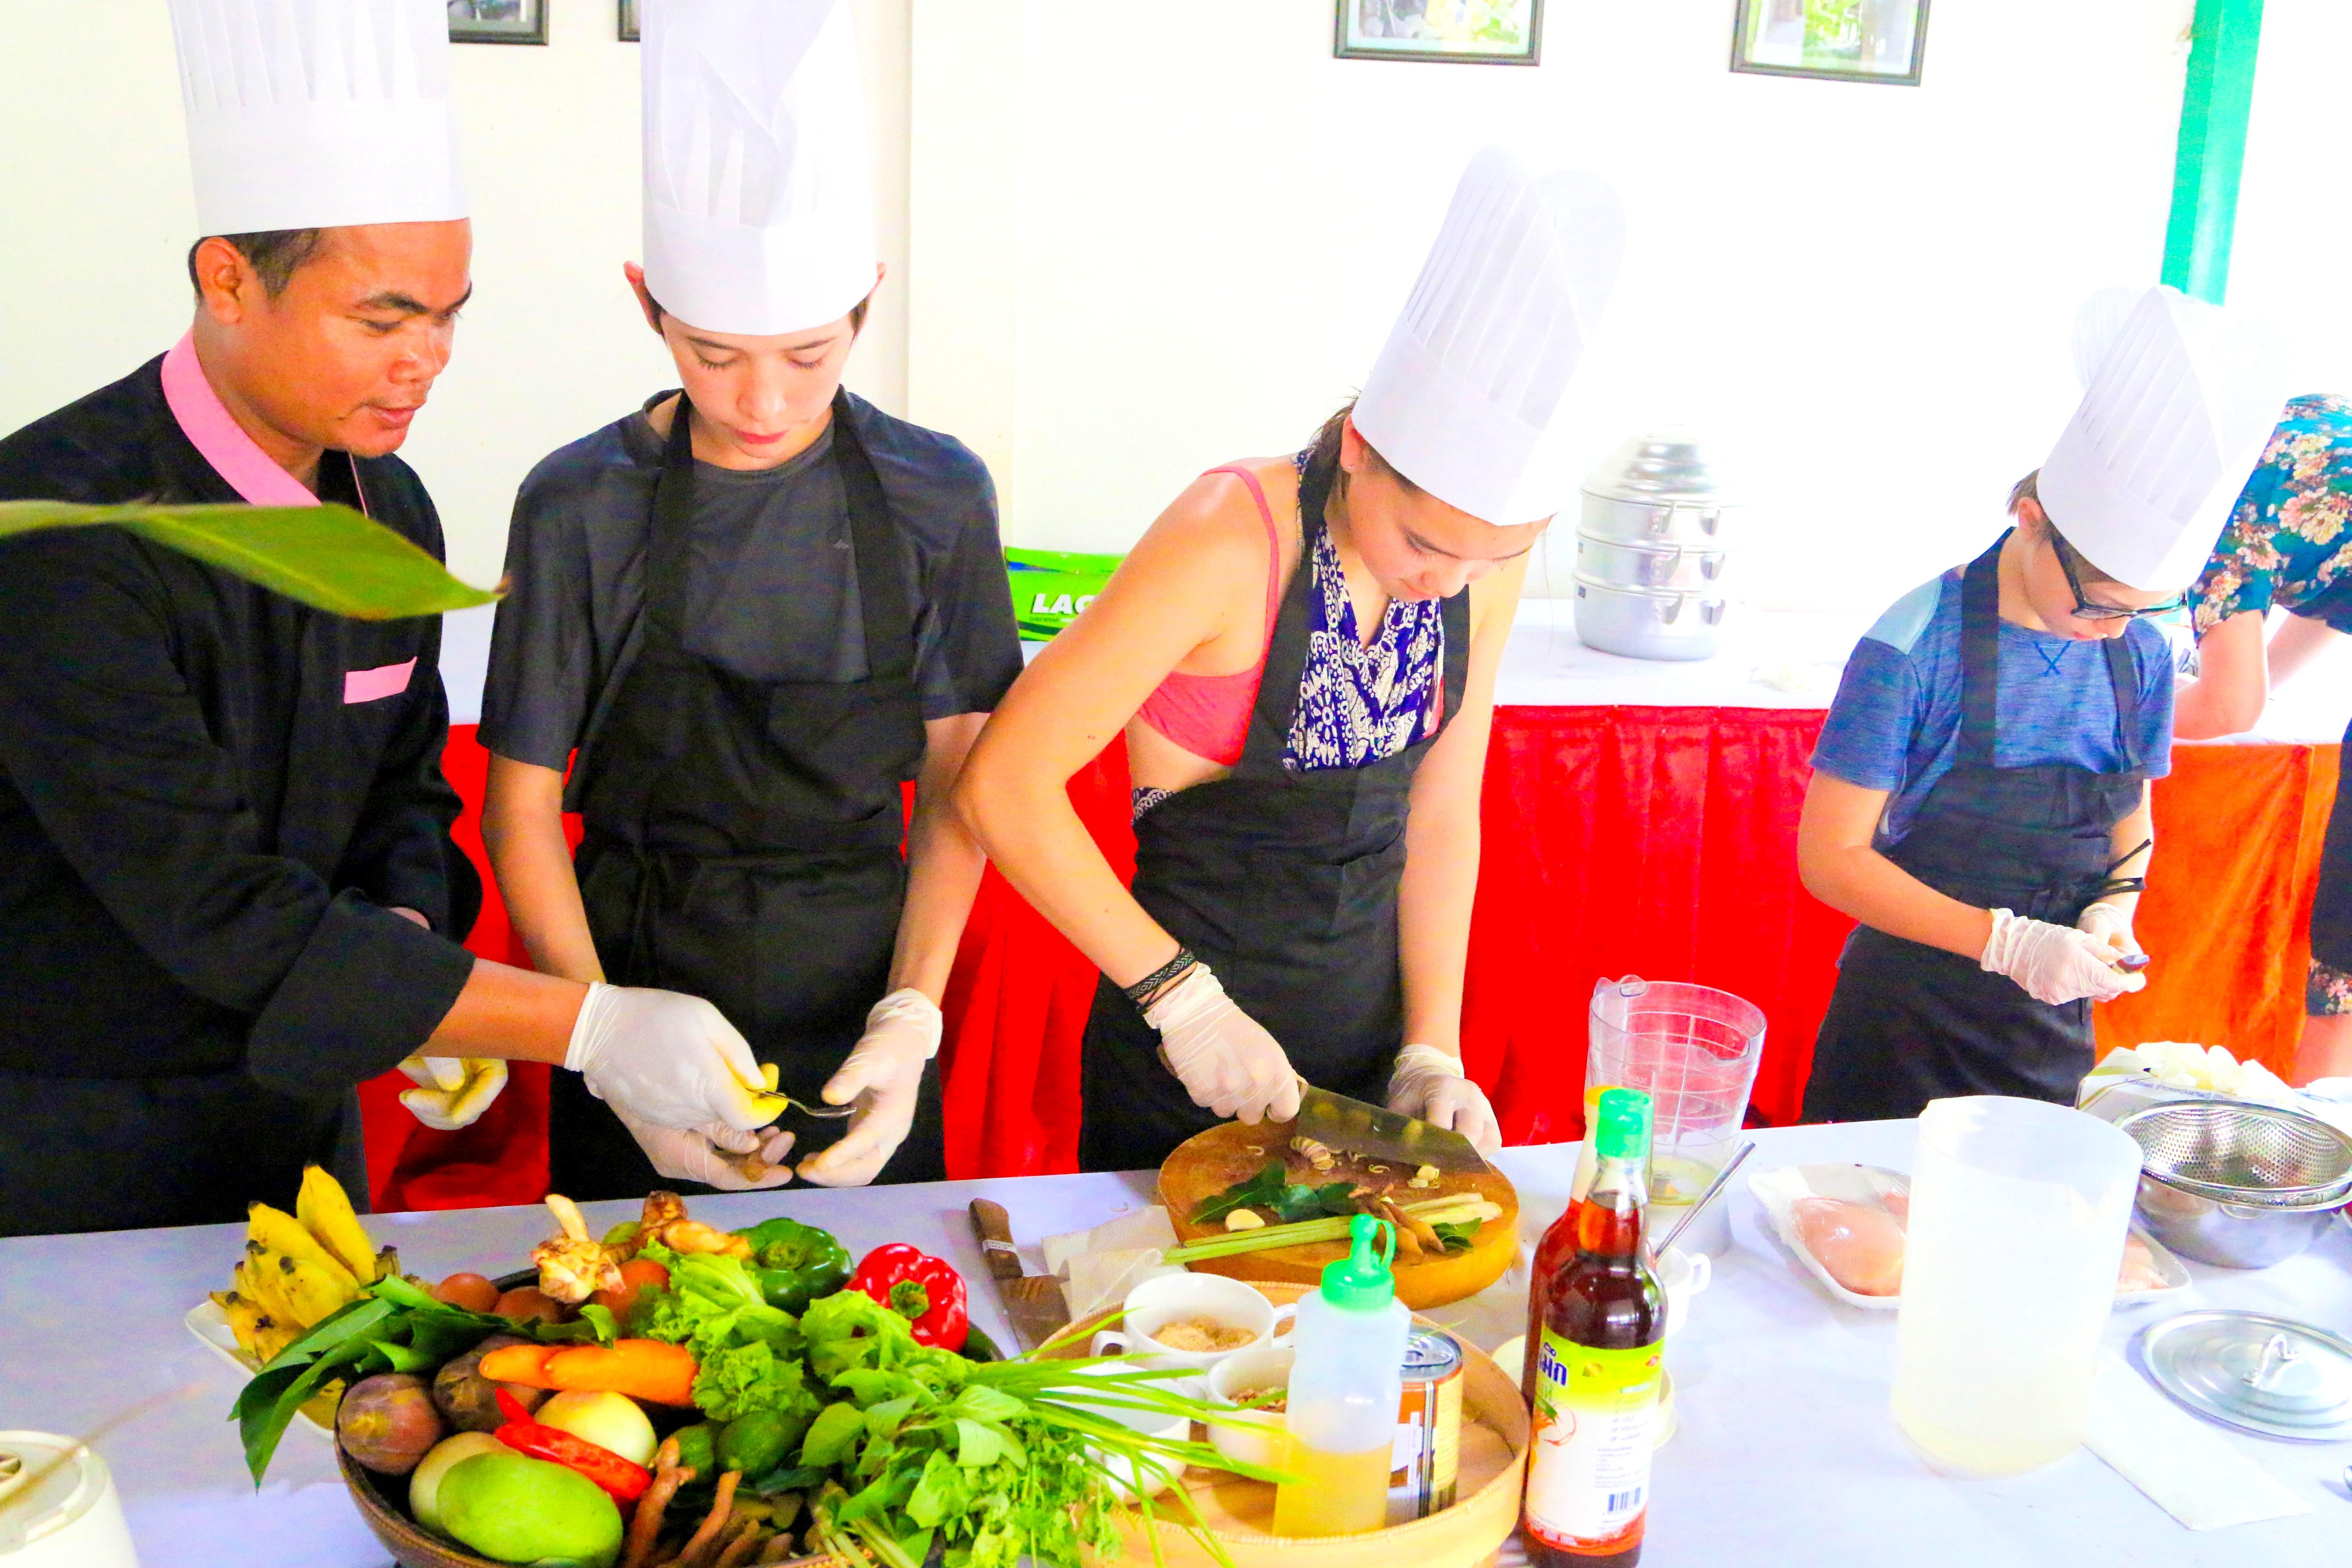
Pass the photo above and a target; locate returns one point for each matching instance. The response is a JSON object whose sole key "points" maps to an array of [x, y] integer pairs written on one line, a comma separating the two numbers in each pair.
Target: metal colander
{"points": [[2236, 1153]]}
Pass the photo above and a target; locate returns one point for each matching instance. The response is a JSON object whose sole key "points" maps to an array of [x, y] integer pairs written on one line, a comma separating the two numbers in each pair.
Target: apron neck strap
{"points": [[1268, 737], [2123, 679], [1980, 654], [881, 582]]}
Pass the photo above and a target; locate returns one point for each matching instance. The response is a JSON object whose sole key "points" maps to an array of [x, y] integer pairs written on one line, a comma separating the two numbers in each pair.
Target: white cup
{"points": [[1228, 1303], [1683, 1275], [1128, 1479], [63, 1510], [1251, 1437]]}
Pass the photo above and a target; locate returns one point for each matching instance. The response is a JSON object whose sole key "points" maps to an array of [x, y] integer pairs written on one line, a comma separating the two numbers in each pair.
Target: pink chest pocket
{"points": [[373, 685]]}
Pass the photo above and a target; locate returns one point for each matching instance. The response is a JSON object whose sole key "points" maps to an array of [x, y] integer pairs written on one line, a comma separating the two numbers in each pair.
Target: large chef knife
{"points": [[1034, 1302], [1355, 1128]]}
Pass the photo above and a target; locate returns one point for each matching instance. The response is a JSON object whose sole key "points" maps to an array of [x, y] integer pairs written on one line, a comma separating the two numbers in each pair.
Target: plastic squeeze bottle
{"points": [[1346, 1385], [1598, 1365]]}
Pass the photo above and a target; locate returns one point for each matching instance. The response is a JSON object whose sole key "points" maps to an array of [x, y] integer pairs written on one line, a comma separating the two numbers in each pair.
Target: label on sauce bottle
{"points": [[1588, 1463]]}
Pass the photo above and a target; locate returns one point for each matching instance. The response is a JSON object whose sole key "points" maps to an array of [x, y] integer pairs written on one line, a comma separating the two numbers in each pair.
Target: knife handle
{"points": [[993, 1229]]}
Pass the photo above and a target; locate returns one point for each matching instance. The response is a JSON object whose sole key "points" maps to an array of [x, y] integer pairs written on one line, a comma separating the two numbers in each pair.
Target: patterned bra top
{"points": [[1357, 704]]}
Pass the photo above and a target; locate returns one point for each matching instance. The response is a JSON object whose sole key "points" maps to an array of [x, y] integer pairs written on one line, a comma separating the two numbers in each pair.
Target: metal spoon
{"points": [[767, 1090], [1714, 1189]]}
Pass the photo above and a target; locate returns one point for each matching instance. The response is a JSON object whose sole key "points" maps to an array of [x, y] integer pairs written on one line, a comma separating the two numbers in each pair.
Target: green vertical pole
{"points": [[2215, 104]]}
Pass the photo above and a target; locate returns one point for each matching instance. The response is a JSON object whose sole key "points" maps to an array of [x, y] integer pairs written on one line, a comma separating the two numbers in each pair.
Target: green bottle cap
{"points": [[1360, 1282], [1622, 1132]]}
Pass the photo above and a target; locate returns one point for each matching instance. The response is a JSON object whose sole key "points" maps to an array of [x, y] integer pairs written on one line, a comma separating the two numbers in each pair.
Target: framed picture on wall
{"points": [[628, 21], [497, 21], [1465, 32], [1837, 40]]}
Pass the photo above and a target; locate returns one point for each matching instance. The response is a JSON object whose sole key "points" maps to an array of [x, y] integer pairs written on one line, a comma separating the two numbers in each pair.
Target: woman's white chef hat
{"points": [[318, 113], [2178, 400], [1462, 399], [759, 200]]}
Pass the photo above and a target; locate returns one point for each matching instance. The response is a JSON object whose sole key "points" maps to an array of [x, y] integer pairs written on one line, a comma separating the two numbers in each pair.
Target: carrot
{"points": [[649, 1369], [525, 1364]]}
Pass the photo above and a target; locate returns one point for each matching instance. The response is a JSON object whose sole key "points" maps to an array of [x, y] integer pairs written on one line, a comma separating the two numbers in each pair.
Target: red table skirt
{"points": [[1652, 841]]}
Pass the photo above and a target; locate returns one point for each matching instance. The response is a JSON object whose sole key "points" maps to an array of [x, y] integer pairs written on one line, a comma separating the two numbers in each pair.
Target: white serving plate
{"points": [[1779, 1190], [210, 1325]]}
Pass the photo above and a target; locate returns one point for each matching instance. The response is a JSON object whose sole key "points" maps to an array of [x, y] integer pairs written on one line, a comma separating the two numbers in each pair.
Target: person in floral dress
{"points": [[2288, 543]]}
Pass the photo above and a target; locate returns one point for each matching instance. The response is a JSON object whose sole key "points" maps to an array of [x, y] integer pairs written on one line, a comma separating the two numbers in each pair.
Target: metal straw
{"points": [[1714, 1189]]}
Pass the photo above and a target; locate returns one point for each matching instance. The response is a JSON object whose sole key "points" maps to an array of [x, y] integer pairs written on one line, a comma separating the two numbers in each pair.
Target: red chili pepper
{"points": [[623, 1482], [927, 1291]]}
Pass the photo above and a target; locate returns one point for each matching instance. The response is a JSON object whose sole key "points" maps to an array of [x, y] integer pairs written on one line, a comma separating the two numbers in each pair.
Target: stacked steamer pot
{"points": [[1651, 549]]}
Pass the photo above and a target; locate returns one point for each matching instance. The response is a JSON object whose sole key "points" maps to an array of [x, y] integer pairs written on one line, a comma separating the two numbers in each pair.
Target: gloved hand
{"points": [[2112, 925], [1224, 1057], [2055, 963], [701, 1153], [666, 1059], [882, 1074], [451, 1091], [1429, 1084]]}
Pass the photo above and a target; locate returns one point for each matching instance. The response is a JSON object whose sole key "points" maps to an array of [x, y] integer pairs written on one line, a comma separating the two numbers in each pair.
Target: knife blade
{"points": [[1361, 1129], [1032, 1302]]}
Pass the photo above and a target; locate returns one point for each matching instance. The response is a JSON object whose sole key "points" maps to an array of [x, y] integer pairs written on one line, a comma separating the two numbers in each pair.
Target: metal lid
{"points": [[47, 1482], [2271, 1376], [1666, 466]]}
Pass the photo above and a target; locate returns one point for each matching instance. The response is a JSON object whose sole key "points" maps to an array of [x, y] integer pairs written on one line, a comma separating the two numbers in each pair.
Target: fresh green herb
{"points": [[1296, 1203], [1290, 1201], [1458, 1235], [1262, 1188]]}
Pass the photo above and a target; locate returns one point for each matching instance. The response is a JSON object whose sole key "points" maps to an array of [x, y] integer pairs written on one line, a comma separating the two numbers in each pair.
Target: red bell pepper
{"points": [[926, 1291], [623, 1482]]}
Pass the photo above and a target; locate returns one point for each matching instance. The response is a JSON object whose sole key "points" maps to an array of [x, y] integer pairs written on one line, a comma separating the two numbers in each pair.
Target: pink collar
{"points": [[215, 434]]}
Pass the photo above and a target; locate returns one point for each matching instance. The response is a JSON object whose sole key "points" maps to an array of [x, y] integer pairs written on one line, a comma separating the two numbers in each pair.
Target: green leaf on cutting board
{"points": [[327, 557], [1262, 1188], [1458, 1235]]}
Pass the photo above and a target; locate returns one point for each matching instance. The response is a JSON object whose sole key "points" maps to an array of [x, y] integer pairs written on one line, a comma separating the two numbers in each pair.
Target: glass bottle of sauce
{"points": [[1559, 1242], [1597, 1363]]}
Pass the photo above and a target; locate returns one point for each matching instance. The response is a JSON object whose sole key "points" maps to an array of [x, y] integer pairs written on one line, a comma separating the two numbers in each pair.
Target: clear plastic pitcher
{"points": [[1693, 1050], [2018, 1215]]}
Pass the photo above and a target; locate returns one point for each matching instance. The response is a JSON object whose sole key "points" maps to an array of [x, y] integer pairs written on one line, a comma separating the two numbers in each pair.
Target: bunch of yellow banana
{"points": [[299, 1269]]}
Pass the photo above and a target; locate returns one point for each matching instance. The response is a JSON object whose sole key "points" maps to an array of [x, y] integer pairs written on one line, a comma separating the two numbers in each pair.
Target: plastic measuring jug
{"points": [[2018, 1215], [1693, 1050]]}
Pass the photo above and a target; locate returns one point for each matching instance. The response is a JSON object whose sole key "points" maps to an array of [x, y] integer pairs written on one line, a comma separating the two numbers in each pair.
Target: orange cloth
{"points": [[2226, 915]]}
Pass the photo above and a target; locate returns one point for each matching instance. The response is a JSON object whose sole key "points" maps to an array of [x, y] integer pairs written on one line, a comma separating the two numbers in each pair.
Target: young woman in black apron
{"points": [[757, 609], [1306, 794]]}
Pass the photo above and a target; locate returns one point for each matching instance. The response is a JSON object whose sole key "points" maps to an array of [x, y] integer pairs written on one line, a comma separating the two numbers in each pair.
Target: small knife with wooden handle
{"points": [[1034, 1302]]}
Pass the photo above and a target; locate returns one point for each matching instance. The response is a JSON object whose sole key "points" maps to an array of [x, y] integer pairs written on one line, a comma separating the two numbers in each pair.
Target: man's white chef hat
{"points": [[2179, 402], [1462, 398], [759, 205], [318, 113]]}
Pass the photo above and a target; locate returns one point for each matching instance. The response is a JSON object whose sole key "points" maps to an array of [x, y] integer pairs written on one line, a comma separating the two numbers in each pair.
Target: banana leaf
{"points": [[327, 557]]}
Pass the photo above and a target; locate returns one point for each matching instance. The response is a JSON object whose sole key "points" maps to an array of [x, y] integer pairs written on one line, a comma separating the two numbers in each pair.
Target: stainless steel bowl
{"points": [[1648, 622], [1647, 566], [1658, 489], [1694, 522], [2236, 1185], [2228, 1236]]}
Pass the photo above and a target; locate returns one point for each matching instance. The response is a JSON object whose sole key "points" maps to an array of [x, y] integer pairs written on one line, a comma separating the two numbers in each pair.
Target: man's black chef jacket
{"points": [[201, 842]]}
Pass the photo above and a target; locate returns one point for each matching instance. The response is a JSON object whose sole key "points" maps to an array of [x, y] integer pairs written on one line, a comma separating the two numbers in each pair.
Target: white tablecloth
{"points": [[1786, 1454]]}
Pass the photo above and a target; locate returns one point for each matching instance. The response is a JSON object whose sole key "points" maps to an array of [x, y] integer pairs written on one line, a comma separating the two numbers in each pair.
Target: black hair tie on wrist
{"points": [[1144, 990]]}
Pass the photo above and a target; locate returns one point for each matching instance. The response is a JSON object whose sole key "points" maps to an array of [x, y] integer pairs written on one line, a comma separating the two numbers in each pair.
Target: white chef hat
{"points": [[318, 113], [2173, 420], [1462, 398], [759, 205]]}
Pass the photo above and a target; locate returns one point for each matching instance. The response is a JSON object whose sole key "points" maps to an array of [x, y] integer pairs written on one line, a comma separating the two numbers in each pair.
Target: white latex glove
{"points": [[2055, 963], [1224, 1057], [2111, 925], [882, 1075], [1431, 1085], [666, 1059], [702, 1153], [451, 1091]]}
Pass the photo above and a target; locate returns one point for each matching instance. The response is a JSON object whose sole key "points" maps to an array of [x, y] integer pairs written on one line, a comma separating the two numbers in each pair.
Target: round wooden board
{"points": [[1240, 1513], [1208, 1163]]}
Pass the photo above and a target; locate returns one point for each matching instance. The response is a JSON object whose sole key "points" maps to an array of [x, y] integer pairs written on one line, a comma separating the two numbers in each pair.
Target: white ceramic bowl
{"points": [[1126, 1480], [1251, 1437], [1228, 1304]]}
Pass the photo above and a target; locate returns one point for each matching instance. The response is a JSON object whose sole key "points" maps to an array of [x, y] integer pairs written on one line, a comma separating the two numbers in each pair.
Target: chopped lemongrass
{"points": [[1298, 1234], [1470, 1203]]}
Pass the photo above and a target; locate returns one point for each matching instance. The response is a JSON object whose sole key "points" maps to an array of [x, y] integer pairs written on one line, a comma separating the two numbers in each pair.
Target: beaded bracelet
{"points": [[1144, 990]]}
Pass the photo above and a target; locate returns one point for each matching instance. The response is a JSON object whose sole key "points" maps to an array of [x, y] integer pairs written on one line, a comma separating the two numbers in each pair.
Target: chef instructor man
{"points": [[227, 888]]}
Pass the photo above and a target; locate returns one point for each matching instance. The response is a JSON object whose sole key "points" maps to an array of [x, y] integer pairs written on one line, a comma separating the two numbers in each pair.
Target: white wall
{"points": [[100, 217], [1867, 287], [2293, 254]]}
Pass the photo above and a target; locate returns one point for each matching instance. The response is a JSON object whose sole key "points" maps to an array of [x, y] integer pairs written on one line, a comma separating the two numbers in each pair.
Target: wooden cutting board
{"points": [[1207, 1165]]}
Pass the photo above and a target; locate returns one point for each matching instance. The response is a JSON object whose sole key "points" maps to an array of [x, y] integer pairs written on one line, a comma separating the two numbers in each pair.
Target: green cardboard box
{"points": [[1050, 588]]}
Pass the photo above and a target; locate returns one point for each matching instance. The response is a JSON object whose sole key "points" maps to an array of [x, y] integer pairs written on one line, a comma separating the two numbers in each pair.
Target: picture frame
{"points": [[1883, 41], [1452, 32], [628, 21], [497, 21]]}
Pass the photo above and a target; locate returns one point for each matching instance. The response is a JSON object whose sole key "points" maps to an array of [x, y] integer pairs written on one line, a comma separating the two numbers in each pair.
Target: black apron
{"points": [[742, 837], [1910, 1023], [2331, 895], [1285, 884]]}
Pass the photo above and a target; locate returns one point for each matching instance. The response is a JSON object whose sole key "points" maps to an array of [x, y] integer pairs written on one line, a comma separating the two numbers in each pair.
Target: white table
{"points": [[1786, 1454]]}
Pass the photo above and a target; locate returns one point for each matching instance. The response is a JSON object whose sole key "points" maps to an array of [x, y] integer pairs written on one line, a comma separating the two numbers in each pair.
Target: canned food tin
{"points": [[1432, 1405]]}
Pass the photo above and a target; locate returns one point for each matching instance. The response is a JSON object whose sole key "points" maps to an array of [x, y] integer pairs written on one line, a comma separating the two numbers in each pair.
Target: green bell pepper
{"points": [[795, 1263]]}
